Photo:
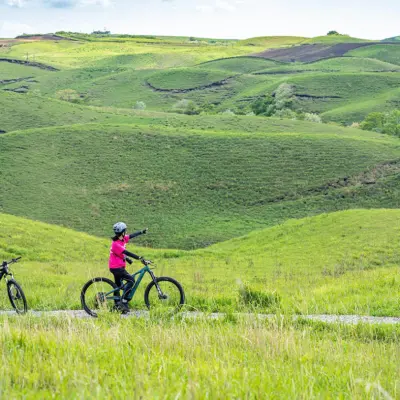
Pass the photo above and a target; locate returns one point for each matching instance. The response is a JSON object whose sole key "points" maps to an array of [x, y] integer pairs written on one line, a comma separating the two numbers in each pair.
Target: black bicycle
{"points": [[14, 290]]}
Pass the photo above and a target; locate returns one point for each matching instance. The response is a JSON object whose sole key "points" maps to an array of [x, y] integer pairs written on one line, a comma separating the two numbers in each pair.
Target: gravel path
{"points": [[342, 319]]}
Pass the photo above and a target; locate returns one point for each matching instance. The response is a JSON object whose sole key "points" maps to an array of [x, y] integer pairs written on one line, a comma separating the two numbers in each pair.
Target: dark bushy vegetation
{"points": [[388, 123]]}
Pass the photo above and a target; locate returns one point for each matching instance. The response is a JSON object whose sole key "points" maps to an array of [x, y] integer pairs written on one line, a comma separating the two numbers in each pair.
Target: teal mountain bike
{"points": [[162, 294]]}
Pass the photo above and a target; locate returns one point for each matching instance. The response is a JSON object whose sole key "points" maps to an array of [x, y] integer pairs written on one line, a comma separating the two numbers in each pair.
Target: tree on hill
{"points": [[281, 99], [388, 123], [101, 32], [331, 33]]}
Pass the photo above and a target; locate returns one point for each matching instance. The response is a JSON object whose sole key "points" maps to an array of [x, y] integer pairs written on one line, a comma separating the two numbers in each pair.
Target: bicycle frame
{"points": [[4, 272], [132, 292]]}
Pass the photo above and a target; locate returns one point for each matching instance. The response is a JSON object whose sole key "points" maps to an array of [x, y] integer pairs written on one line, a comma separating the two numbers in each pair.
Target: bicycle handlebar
{"points": [[14, 260]]}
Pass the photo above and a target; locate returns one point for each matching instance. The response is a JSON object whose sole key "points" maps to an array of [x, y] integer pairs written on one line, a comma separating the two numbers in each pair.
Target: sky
{"points": [[236, 19]]}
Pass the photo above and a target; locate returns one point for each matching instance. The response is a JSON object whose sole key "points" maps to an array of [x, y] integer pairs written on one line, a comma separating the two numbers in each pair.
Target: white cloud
{"points": [[219, 5], [10, 29], [102, 3], [13, 3], [58, 3], [204, 8], [225, 5]]}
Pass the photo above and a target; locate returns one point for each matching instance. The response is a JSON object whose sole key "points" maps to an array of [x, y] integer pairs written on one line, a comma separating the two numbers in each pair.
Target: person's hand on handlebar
{"points": [[144, 262]]}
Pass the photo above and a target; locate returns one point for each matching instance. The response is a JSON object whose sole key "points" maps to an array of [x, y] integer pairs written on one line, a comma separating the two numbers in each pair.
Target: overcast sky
{"points": [[208, 18]]}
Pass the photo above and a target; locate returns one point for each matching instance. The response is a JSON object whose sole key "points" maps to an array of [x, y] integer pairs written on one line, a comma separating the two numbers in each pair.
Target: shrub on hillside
{"points": [[140, 105], [228, 112], [68, 95], [282, 98], [311, 117], [264, 106], [286, 113], [188, 107], [388, 123]]}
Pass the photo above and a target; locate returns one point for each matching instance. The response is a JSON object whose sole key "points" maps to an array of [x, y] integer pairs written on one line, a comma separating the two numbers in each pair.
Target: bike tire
{"points": [[85, 301], [19, 295], [174, 283]]}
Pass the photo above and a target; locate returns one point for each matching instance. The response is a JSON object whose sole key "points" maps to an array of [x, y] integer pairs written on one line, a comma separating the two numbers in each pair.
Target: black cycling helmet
{"points": [[119, 228]]}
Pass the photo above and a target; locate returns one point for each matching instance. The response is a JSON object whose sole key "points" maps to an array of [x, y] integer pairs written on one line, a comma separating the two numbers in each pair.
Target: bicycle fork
{"points": [[161, 295]]}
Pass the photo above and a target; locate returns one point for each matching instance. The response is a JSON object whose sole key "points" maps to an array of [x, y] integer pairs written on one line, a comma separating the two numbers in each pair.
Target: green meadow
{"points": [[251, 214], [122, 358], [338, 263], [232, 182]]}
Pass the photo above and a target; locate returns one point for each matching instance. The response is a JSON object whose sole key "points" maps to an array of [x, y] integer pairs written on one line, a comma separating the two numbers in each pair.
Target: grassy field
{"points": [[241, 65], [344, 263], [232, 182], [162, 359], [384, 52], [108, 74], [336, 64], [69, 54], [186, 78], [334, 39], [246, 212]]}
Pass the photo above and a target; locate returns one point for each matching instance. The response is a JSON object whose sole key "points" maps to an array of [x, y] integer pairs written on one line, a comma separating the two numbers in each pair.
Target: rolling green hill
{"points": [[193, 186], [385, 52], [183, 79], [342, 262], [112, 77], [272, 41], [244, 211], [242, 65], [336, 64], [107, 74], [333, 39]]}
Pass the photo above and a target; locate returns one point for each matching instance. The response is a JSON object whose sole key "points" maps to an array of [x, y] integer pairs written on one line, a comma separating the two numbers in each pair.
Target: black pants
{"points": [[121, 274]]}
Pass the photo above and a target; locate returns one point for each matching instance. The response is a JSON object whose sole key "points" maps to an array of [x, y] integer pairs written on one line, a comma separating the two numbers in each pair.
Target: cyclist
{"points": [[118, 259]]}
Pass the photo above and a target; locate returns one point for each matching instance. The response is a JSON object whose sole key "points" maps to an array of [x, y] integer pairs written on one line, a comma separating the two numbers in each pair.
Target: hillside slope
{"points": [[194, 187], [344, 262]]}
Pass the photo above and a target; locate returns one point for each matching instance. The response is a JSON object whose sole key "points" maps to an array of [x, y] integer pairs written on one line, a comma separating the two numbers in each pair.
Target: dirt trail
{"points": [[342, 319]]}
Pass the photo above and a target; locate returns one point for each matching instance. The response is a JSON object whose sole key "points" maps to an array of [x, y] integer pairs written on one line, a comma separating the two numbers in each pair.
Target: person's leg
{"points": [[118, 274], [130, 281]]}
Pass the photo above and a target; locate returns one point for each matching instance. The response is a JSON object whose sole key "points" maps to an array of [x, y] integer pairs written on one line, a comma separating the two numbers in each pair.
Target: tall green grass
{"points": [[46, 358], [344, 263]]}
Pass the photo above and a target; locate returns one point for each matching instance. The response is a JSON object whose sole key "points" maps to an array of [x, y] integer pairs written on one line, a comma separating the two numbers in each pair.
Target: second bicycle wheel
{"points": [[17, 297], [97, 295], [171, 298]]}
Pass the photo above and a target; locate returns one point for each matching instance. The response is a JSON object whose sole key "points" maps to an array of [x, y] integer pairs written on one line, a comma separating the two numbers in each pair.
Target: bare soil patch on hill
{"points": [[41, 37], [311, 52]]}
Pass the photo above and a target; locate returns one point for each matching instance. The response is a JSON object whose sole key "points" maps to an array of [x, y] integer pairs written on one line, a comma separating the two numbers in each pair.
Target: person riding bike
{"points": [[118, 259]]}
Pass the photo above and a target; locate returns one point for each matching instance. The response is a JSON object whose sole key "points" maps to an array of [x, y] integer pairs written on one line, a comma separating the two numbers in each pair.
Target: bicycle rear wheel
{"points": [[97, 295], [171, 298], [17, 297]]}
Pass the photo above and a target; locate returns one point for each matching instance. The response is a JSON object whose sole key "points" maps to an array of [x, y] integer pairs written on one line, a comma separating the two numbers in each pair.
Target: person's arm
{"points": [[133, 255], [136, 257], [138, 233]]}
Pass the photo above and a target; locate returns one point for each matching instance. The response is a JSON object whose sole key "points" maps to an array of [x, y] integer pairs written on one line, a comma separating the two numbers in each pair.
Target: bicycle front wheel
{"points": [[98, 295], [170, 298], [17, 297]]}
